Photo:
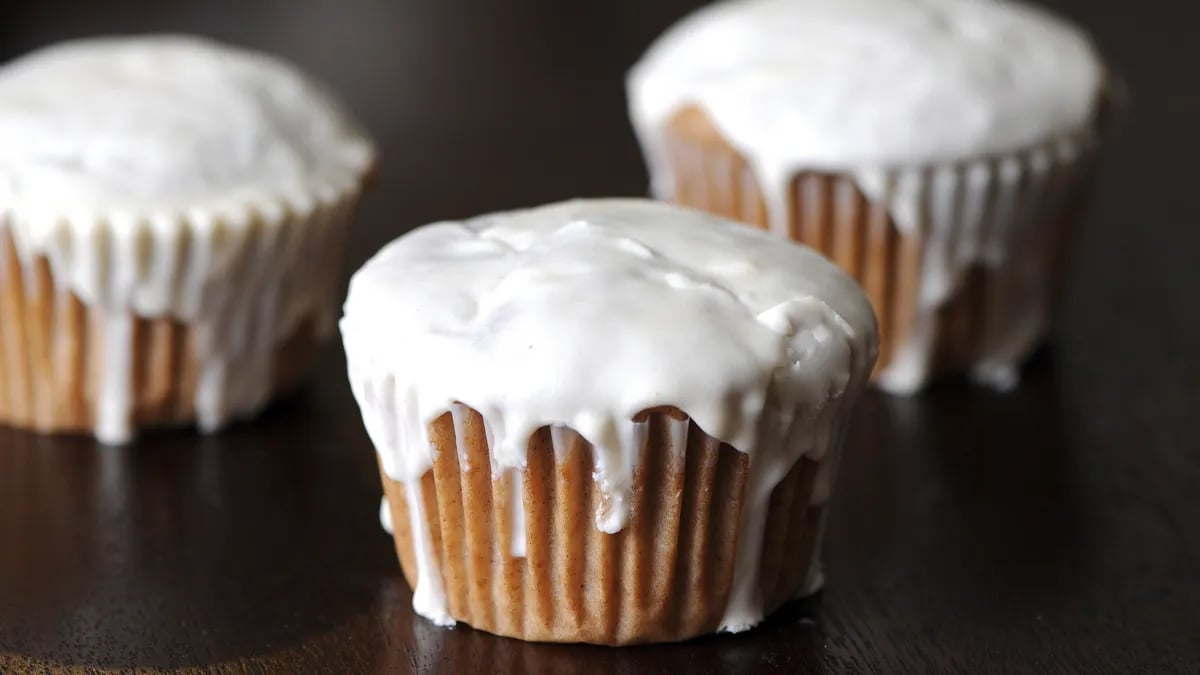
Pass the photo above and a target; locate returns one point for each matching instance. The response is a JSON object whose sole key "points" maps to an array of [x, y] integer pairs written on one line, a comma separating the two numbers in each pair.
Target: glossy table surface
{"points": [[1052, 529]]}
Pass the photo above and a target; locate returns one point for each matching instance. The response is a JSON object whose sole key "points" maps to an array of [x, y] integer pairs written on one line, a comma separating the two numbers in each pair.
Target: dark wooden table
{"points": [[1054, 529]]}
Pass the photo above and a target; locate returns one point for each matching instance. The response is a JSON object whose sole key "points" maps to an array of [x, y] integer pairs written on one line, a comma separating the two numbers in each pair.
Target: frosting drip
{"points": [[967, 118], [385, 515], [585, 313]]}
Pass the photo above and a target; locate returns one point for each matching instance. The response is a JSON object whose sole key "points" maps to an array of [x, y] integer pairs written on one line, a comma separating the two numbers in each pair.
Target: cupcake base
{"points": [[61, 372], [519, 554], [967, 284]]}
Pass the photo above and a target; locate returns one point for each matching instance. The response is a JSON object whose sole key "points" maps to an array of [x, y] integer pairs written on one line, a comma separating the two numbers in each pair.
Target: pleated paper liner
{"points": [[828, 212], [56, 363], [52, 358], [665, 576]]}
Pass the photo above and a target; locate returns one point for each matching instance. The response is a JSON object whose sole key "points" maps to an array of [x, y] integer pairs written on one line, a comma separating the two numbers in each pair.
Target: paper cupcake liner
{"points": [[519, 554], [961, 261], [113, 326]]}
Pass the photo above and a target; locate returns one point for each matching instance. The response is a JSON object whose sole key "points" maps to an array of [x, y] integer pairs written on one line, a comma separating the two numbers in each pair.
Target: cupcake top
{"points": [[163, 126], [585, 313], [823, 84]]}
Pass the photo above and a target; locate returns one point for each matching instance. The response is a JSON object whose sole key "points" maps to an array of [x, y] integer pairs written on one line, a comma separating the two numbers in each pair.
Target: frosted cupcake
{"points": [[935, 149], [608, 421], [172, 217]]}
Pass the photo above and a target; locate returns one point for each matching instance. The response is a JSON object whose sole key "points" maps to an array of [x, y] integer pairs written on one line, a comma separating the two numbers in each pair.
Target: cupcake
{"points": [[608, 421], [935, 149], [172, 219]]}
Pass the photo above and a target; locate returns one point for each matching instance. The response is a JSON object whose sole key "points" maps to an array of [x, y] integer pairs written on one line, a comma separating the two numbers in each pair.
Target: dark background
{"points": [[1055, 529]]}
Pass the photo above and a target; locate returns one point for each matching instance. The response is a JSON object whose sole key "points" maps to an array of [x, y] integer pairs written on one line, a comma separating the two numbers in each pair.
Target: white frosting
{"points": [[581, 315], [149, 125], [882, 91], [168, 176], [842, 85]]}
